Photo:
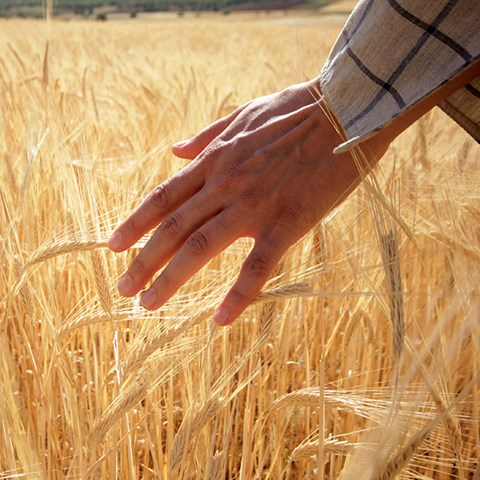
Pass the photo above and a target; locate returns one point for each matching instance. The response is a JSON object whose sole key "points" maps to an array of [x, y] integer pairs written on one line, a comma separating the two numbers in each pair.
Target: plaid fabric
{"points": [[393, 53]]}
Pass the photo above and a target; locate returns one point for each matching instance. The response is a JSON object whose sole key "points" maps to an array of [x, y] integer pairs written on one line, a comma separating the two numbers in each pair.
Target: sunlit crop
{"points": [[316, 379]]}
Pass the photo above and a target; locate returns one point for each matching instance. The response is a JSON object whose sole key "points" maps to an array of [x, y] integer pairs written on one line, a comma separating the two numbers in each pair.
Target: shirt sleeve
{"points": [[391, 54]]}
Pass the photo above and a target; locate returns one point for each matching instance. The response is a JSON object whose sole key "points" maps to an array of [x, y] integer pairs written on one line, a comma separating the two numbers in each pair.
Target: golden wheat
{"points": [[308, 383]]}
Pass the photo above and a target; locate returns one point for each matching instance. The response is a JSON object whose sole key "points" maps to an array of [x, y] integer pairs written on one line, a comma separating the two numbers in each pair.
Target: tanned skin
{"points": [[266, 171]]}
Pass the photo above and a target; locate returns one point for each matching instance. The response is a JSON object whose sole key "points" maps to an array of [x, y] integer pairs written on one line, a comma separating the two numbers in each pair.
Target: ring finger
{"points": [[202, 245], [167, 239]]}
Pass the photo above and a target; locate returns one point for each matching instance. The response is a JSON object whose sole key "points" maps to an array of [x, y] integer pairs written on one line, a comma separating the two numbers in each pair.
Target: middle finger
{"points": [[167, 239]]}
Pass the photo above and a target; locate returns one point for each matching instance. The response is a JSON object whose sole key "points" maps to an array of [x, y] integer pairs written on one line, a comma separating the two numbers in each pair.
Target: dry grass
{"points": [[360, 359]]}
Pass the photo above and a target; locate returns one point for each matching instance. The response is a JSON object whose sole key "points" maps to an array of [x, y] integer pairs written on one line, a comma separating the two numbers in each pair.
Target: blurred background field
{"points": [[132, 9], [310, 382]]}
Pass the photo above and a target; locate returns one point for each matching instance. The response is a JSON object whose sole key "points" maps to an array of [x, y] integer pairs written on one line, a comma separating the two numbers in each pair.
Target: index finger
{"points": [[162, 200]]}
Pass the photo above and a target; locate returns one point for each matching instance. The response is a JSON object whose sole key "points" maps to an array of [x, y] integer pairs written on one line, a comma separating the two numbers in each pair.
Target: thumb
{"points": [[192, 147]]}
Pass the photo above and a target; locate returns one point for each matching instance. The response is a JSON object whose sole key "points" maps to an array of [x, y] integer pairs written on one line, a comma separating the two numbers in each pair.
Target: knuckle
{"points": [[159, 197], [252, 199], [212, 151], [131, 226], [171, 226], [262, 155], [163, 282], [291, 215], [237, 297], [138, 268], [243, 175], [258, 265], [197, 244], [231, 175]]}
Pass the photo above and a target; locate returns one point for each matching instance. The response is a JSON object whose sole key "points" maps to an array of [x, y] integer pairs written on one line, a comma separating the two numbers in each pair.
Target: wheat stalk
{"points": [[85, 135]]}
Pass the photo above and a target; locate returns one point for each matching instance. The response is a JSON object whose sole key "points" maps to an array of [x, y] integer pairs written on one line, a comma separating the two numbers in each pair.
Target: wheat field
{"points": [[360, 359]]}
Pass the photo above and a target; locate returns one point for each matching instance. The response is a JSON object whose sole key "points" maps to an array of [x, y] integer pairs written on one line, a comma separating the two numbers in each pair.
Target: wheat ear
{"points": [[61, 248], [390, 256], [398, 461], [308, 449], [195, 419], [102, 281], [127, 399]]}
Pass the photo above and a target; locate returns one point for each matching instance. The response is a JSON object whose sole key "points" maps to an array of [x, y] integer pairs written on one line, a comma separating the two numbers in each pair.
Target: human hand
{"points": [[266, 171]]}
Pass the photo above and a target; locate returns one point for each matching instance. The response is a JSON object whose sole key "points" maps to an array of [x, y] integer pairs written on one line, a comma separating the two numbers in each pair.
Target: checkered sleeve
{"points": [[393, 53]]}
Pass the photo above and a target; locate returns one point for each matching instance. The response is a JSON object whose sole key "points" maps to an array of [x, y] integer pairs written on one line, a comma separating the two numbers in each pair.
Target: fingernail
{"points": [[221, 315], [179, 144], [149, 298], [115, 241], [125, 285]]}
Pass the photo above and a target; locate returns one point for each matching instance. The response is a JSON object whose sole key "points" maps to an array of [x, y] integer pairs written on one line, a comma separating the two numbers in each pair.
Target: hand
{"points": [[266, 171]]}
